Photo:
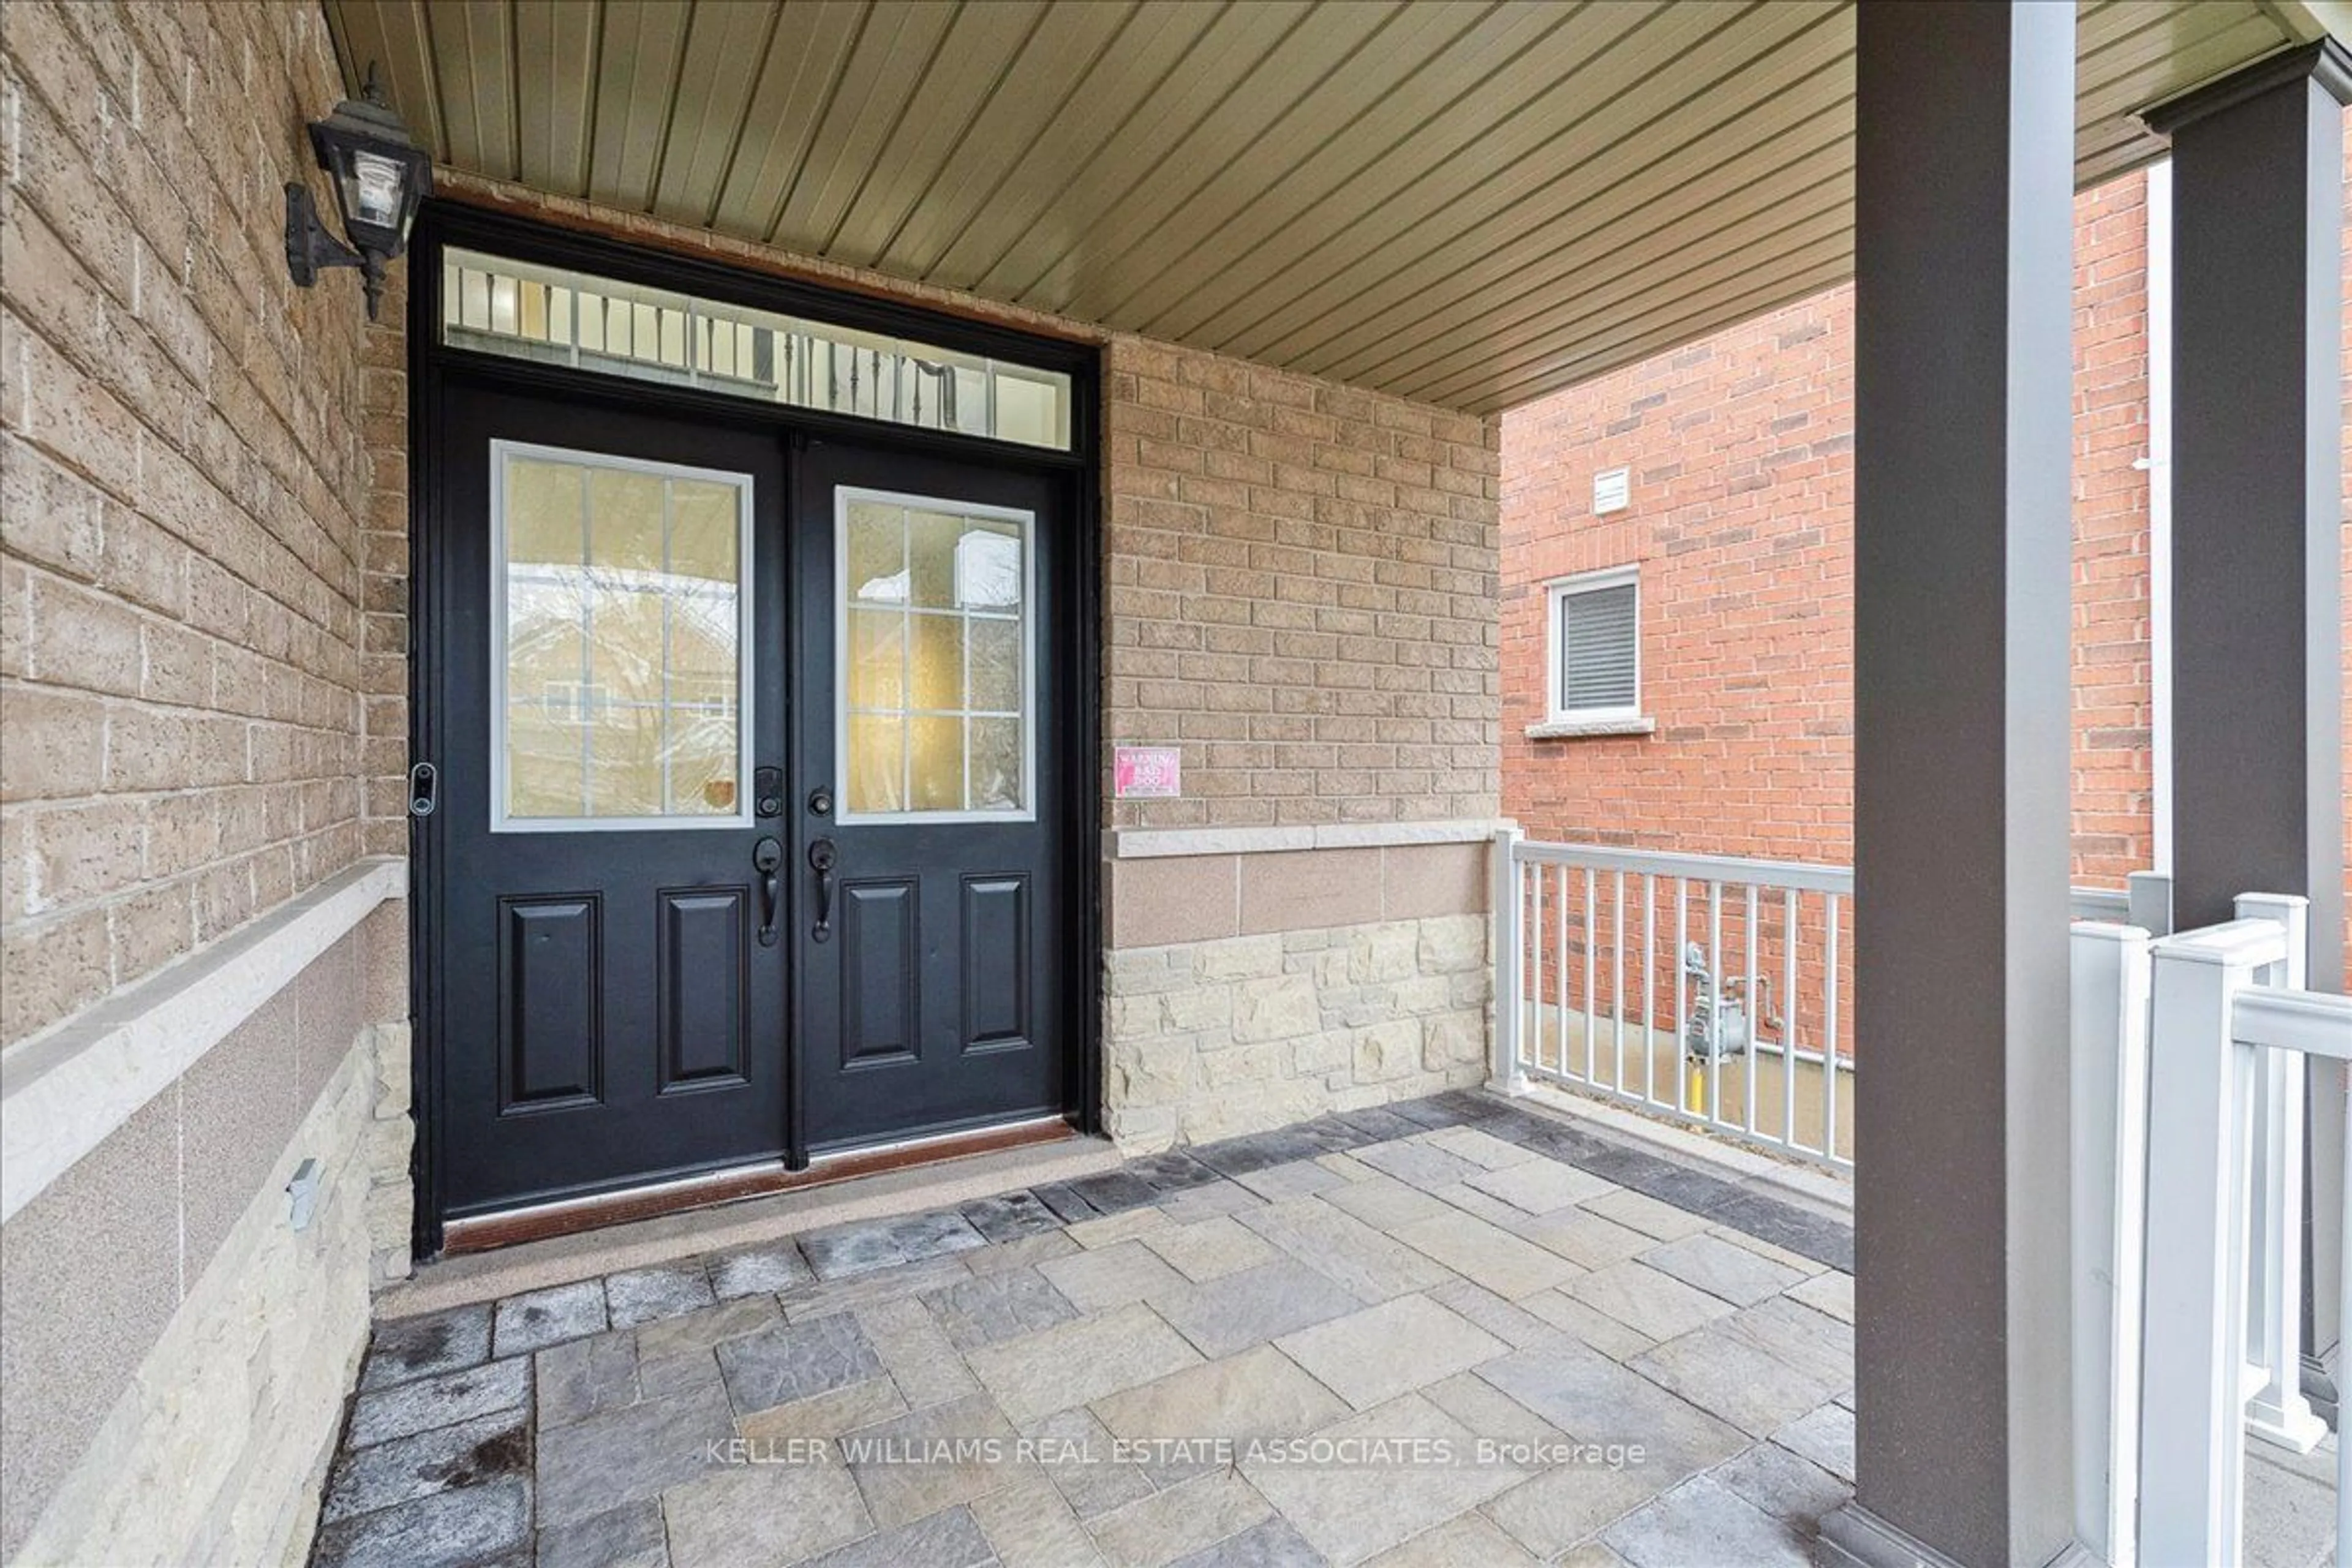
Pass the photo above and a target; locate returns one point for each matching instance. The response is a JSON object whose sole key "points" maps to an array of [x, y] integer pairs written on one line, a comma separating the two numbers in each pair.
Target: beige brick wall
{"points": [[183, 495], [383, 577], [188, 623], [1301, 594]]}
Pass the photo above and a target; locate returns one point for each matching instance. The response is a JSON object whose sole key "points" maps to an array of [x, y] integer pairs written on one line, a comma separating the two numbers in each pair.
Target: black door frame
{"points": [[432, 366]]}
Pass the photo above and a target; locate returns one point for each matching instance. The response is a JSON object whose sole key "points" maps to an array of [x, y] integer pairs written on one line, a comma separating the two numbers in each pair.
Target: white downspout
{"points": [[2158, 464]]}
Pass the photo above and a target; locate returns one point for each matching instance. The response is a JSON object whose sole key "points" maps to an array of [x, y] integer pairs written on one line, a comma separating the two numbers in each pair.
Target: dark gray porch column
{"points": [[1963, 277], [2257, 489], [2257, 493]]}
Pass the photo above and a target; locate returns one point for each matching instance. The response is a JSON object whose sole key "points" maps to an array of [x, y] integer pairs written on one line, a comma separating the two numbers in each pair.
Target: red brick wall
{"points": [[1741, 520], [1740, 449], [2113, 777], [1739, 452]]}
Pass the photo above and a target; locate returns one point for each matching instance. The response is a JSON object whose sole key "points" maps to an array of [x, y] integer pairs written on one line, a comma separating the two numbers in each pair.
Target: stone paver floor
{"points": [[1448, 1332]]}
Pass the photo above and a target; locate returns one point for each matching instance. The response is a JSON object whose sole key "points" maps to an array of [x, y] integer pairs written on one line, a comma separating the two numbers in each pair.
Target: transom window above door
{"points": [[618, 623], [556, 315], [934, 638]]}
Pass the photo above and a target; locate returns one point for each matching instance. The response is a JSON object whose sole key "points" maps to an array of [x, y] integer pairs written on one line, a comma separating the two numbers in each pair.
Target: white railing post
{"points": [[2192, 1396], [2279, 1413], [2149, 896], [2278, 1020], [1507, 1074], [2108, 1087], [2343, 1285]]}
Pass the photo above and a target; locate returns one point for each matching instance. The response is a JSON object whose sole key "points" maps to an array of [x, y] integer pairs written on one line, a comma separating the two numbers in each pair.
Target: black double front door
{"points": [[750, 823]]}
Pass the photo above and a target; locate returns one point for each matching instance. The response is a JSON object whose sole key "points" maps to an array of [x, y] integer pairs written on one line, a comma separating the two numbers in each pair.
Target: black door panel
{"points": [[608, 1016], [550, 965], [994, 935], [639, 991], [920, 1005], [705, 976]]}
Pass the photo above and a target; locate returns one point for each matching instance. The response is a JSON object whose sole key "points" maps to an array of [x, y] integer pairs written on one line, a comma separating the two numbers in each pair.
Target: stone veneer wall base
{"points": [[1210, 1039], [217, 1451], [391, 1200]]}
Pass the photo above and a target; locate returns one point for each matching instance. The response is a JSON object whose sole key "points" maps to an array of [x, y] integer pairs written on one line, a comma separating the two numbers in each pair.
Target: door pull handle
{"points": [[768, 859], [822, 857]]}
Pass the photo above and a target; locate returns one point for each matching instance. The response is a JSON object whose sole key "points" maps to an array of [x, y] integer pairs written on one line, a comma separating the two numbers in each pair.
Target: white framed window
{"points": [[620, 618], [1595, 646], [934, 642]]}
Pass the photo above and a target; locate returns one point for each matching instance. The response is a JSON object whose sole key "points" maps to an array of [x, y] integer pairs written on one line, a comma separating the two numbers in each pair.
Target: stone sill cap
{"points": [[1158, 843], [64, 1090], [1586, 729]]}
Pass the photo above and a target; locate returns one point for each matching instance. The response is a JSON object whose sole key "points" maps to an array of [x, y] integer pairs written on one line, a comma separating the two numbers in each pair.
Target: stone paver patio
{"points": [[1445, 1332], [1440, 1333], [1448, 1332]]}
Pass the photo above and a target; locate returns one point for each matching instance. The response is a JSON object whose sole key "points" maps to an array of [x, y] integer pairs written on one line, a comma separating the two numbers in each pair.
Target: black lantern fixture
{"points": [[379, 177]]}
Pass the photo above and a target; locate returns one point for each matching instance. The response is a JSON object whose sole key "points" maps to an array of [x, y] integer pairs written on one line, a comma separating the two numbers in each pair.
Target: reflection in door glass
{"points": [[622, 640], [494, 304], [934, 657]]}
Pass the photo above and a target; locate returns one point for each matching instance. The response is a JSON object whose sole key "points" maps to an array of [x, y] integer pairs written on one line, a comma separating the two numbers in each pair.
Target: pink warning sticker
{"points": [[1147, 772]]}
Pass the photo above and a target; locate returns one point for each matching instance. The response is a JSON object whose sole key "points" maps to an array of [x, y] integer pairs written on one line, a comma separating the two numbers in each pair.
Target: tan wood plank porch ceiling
{"points": [[1469, 202]]}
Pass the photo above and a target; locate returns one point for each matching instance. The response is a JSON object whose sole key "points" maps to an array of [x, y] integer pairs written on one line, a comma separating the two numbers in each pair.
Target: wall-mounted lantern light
{"points": [[379, 177]]}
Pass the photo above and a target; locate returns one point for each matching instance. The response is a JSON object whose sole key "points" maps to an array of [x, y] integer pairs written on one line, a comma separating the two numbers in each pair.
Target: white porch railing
{"points": [[1700, 988], [2188, 1081], [1705, 989]]}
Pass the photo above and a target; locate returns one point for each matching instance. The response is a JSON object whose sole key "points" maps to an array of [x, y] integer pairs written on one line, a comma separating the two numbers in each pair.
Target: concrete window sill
{"points": [[1588, 728]]}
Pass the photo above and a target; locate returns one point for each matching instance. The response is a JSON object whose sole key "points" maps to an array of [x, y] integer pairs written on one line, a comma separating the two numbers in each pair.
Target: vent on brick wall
{"points": [[1597, 637], [1613, 491]]}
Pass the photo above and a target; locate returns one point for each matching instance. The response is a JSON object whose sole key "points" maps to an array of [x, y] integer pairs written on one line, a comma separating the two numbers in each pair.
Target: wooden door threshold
{"points": [[568, 1216]]}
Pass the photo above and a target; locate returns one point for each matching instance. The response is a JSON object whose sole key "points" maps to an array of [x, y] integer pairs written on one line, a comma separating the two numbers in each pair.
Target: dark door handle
{"points": [[822, 857], [768, 859]]}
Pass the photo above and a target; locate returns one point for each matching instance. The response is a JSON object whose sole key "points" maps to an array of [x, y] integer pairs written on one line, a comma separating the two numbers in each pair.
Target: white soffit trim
{"points": [[1159, 843], [62, 1093]]}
